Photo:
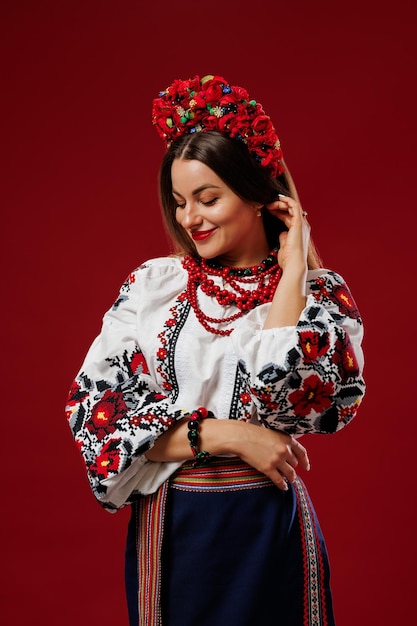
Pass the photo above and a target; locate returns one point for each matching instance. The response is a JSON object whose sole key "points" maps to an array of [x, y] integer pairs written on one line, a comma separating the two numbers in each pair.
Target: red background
{"points": [[80, 211]]}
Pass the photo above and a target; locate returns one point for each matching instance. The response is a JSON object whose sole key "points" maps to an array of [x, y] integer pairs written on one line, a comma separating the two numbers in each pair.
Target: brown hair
{"points": [[231, 161]]}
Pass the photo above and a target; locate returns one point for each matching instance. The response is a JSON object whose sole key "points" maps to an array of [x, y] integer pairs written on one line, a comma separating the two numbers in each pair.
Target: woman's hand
{"points": [[273, 453], [294, 242], [289, 299]]}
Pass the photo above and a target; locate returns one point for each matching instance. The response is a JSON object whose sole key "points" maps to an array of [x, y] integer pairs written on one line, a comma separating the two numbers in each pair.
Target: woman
{"points": [[209, 366]]}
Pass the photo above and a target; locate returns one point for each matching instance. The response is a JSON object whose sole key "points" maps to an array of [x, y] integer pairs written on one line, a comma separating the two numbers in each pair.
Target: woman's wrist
{"points": [[222, 437], [216, 436]]}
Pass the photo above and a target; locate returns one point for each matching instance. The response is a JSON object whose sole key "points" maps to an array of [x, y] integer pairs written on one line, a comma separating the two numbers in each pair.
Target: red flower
{"points": [[340, 295], [240, 93], [261, 123], [106, 413], [313, 344], [265, 397], [347, 413], [138, 362], [197, 102], [272, 406], [314, 395], [161, 354], [107, 461], [345, 359], [214, 90], [181, 88], [75, 395], [343, 297], [245, 398]]}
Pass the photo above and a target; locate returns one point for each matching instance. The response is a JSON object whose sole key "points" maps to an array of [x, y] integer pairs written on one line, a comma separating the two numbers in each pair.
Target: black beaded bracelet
{"points": [[201, 457]]}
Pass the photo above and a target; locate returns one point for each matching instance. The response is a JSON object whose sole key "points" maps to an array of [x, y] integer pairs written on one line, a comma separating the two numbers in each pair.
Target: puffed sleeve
{"points": [[116, 410], [306, 378]]}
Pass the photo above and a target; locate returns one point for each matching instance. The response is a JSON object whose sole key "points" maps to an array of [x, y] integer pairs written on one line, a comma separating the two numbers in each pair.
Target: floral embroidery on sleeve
{"points": [[317, 387], [115, 419]]}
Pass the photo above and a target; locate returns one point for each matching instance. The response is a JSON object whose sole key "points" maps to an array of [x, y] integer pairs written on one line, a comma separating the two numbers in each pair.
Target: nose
{"points": [[188, 215]]}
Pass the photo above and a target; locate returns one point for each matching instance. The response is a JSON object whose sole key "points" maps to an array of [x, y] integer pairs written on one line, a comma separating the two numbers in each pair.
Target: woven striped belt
{"points": [[223, 474]]}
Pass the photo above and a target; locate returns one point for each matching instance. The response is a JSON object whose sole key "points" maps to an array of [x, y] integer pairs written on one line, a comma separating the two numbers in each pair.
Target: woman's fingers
{"points": [[285, 208], [272, 452], [282, 473], [300, 453], [277, 478], [282, 466], [293, 243], [294, 455]]}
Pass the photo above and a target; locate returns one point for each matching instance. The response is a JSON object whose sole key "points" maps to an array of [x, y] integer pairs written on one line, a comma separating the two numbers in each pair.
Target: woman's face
{"points": [[220, 224]]}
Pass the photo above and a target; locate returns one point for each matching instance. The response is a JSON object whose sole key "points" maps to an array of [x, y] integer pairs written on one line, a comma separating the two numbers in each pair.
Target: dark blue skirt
{"points": [[223, 546]]}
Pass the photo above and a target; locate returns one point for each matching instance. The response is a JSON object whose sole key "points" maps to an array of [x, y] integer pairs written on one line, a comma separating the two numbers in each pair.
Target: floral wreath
{"points": [[210, 103]]}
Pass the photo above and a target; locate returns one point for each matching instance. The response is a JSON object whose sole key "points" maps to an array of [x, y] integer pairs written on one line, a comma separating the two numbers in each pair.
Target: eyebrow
{"points": [[198, 190]]}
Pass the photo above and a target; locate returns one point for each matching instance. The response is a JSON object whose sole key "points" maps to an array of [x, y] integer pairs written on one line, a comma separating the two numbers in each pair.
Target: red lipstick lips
{"points": [[199, 235]]}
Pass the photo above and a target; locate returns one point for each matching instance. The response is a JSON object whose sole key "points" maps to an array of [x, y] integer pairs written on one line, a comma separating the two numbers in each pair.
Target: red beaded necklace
{"points": [[199, 272]]}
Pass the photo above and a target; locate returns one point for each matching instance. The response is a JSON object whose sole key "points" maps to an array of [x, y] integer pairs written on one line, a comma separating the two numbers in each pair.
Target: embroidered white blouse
{"points": [[153, 363]]}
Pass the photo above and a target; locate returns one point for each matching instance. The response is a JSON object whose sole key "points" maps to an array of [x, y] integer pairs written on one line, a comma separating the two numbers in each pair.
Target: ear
{"points": [[258, 208]]}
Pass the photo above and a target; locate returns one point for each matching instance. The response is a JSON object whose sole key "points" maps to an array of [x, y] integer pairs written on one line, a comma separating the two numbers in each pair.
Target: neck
{"points": [[249, 253], [260, 263]]}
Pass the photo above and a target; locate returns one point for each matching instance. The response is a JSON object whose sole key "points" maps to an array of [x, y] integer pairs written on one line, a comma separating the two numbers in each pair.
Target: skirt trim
{"points": [[315, 613], [150, 527]]}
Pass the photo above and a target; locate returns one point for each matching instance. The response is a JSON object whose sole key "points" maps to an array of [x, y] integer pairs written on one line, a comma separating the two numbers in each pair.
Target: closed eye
{"points": [[209, 202]]}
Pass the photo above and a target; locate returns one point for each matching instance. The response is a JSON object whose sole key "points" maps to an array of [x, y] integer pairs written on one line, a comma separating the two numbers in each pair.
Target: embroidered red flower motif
{"points": [[157, 420], [171, 322], [314, 395], [272, 406], [345, 359], [267, 400], [319, 289], [347, 413], [167, 421], [107, 462], [340, 295], [161, 354], [265, 397], [347, 305], [106, 413], [75, 395], [245, 398], [313, 344], [138, 362]]}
